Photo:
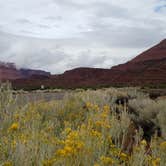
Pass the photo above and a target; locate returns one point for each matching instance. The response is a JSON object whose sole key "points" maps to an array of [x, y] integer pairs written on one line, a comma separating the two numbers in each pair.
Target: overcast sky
{"points": [[58, 35]]}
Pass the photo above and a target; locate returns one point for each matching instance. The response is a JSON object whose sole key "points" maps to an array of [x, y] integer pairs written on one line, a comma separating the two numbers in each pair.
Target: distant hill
{"points": [[8, 71], [148, 68]]}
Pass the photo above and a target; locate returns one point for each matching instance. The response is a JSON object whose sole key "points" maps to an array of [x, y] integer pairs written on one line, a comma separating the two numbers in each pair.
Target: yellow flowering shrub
{"points": [[82, 129]]}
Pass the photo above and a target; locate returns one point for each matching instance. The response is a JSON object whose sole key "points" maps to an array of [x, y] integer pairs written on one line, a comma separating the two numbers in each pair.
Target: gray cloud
{"points": [[23, 21], [57, 35], [44, 26], [54, 18], [72, 4], [126, 37], [87, 59], [53, 55], [109, 10]]}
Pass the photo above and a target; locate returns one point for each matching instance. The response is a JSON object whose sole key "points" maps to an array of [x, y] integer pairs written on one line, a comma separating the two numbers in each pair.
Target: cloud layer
{"points": [[57, 35]]}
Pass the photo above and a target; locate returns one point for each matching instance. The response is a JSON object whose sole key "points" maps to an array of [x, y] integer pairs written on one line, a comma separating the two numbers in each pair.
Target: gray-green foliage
{"points": [[151, 110]]}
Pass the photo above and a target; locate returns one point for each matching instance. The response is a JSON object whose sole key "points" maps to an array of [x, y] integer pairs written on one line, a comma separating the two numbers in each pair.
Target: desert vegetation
{"points": [[118, 127]]}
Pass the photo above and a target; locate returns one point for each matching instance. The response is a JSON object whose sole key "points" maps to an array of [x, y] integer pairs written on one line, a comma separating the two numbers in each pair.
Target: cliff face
{"points": [[157, 52], [148, 67], [28, 73], [8, 71]]}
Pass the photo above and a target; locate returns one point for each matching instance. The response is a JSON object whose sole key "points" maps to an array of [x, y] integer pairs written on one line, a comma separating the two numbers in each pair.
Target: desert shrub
{"points": [[81, 129], [6, 97], [119, 127], [144, 107], [160, 120], [150, 111]]}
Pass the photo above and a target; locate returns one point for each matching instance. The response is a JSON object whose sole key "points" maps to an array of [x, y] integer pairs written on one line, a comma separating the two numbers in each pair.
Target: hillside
{"points": [[148, 67]]}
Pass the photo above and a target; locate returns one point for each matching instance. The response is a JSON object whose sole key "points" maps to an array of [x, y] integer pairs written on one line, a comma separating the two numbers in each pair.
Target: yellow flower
{"points": [[95, 133], [156, 162], [93, 107], [68, 149], [123, 156], [88, 105], [106, 160], [115, 151], [48, 162], [7, 163], [103, 124], [106, 108], [136, 148], [16, 116], [98, 123], [96, 165], [104, 115], [23, 138], [96, 107], [72, 135], [72, 145], [79, 145], [67, 130], [13, 144], [14, 127], [163, 145], [61, 152], [144, 143], [110, 140]]}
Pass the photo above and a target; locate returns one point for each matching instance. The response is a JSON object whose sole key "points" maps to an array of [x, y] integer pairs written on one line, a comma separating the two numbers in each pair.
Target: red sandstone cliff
{"points": [[8, 71]]}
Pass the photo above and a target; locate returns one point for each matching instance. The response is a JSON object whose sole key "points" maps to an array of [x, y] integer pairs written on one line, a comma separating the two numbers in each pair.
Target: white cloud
{"points": [[56, 35]]}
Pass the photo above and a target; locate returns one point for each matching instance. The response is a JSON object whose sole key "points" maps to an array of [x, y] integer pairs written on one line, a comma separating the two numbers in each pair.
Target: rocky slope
{"points": [[147, 68], [8, 71]]}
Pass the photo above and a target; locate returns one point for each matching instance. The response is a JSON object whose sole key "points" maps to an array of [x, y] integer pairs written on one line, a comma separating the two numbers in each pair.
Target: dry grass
{"points": [[82, 129]]}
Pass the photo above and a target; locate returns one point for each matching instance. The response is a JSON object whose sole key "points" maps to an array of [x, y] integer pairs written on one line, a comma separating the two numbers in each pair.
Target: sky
{"points": [[59, 35]]}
